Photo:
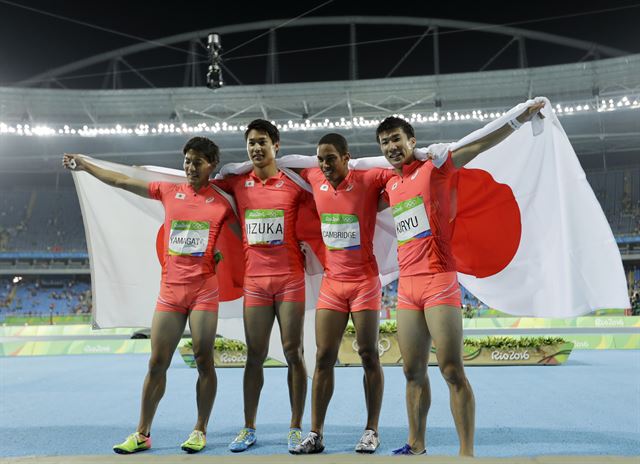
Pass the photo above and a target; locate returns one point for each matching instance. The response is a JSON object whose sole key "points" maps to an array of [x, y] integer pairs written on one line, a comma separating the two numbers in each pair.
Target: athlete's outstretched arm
{"points": [[466, 153], [115, 179]]}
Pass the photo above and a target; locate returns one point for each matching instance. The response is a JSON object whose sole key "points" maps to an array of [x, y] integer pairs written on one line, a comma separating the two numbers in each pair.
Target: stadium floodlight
{"points": [[214, 74]]}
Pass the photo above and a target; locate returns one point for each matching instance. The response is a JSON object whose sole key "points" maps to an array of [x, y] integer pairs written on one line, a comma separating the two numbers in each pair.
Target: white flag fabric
{"points": [[121, 230]]}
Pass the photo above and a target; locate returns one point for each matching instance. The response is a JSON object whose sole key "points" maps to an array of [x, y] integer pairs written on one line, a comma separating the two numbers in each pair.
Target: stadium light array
{"points": [[436, 117]]}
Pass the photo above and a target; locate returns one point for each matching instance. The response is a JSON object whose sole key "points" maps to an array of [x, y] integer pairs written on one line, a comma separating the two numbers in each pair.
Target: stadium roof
{"points": [[279, 44], [608, 132]]}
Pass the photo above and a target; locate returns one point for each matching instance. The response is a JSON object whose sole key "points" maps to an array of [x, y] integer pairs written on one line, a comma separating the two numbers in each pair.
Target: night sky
{"points": [[32, 42]]}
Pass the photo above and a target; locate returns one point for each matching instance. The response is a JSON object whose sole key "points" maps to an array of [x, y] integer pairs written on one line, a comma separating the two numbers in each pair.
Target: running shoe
{"points": [[312, 444], [245, 439], [407, 451], [134, 443], [369, 442], [196, 442], [294, 438]]}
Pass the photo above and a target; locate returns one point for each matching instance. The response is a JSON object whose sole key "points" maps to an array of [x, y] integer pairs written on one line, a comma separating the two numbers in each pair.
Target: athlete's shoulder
{"points": [[313, 175], [161, 184], [361, 177], [233, 183], [165, 187], [425, 164], [393, 178], [216, 190], [156, 189], [239, 179], [377, 176], [289, 183], [219, 197]]}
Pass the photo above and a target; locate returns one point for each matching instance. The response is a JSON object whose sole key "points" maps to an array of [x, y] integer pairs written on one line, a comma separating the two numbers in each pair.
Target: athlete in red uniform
{"points": [[194, 215], [347, 203], [428, 291], [274, 286]]}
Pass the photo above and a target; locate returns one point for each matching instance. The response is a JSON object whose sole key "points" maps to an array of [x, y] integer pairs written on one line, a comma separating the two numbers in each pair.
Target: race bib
{"points": [[411, 220], [264, 226], [340, 231], [188, 238]]}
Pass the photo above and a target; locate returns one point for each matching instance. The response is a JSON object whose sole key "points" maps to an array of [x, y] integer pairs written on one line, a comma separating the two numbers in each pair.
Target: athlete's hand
{"points": [[435, 151], [73, 162], [528, 114]]}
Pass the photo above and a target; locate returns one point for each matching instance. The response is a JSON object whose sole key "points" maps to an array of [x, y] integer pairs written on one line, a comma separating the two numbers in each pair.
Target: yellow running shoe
{"points": [[134, 443], [294, 438], [196, 442]]}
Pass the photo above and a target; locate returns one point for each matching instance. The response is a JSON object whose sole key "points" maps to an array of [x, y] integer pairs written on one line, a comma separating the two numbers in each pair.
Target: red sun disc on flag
{"points": [[487, 227]]}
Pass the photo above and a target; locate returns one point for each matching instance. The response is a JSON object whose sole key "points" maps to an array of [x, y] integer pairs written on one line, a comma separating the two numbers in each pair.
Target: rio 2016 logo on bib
{"points": [[188, 238], [264, 226], [411, 220], [340, 231]]}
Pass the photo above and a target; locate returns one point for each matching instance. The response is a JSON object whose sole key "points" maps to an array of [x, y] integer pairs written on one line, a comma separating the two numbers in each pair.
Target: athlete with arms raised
{"points": [[428, 291], [194, 215]]}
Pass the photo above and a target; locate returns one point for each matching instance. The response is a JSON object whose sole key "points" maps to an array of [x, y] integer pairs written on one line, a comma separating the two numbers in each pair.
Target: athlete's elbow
{"points": [[122, 183], [118, 183]]}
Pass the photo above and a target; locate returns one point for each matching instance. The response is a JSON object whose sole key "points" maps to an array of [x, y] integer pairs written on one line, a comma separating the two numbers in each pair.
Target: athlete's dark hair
{"points": [[205, 146], [263, 125], [391, 123], [337, 140]]}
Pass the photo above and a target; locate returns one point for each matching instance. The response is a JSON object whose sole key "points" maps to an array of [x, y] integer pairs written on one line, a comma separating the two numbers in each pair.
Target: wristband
{"points": [[514, 124]]}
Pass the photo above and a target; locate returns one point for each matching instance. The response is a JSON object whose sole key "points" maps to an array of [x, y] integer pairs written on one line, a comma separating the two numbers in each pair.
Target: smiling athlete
{"points": [[194, 215], [274, 286]]}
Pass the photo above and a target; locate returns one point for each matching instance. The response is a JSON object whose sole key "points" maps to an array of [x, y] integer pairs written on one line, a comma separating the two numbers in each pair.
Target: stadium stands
{"points": [[60, 295], [13, 212], [41, 220], [618, 191]]}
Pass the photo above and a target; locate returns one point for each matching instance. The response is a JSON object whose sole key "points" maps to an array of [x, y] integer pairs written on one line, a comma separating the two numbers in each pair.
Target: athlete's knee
{"points": [[415, 372], [256, 356], [292, 352], [325, 358], [159, 363], [203, 358], [369, 356], [453, 373]]}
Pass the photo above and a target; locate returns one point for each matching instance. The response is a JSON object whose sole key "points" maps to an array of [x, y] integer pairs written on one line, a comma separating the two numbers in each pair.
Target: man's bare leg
{"points": [[290, 316], [166, 330], [203, 325], [330, 327], [258, 322], [445, 326], [367, 325], [415, 343]]}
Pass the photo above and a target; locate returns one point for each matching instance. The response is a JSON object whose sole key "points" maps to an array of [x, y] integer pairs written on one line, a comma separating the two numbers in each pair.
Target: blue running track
{"points": [[82, 405]]}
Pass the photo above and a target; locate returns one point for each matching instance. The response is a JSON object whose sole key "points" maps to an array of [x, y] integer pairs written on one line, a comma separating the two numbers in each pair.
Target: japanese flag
{"points": [[530, 237]]}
